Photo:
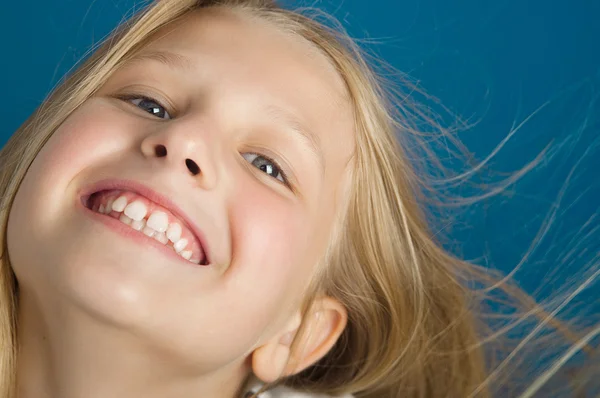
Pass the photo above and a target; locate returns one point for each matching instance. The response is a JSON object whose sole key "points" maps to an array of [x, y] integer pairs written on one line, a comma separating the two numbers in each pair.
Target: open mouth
{"points": [[150, 219]]}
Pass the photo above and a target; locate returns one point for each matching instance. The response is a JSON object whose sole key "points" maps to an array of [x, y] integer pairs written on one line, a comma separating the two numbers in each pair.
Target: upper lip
{"points": [[149, 193]]}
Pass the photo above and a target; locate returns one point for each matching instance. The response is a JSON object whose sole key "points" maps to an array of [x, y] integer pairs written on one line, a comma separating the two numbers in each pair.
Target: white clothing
{"points": [[285, 392]]}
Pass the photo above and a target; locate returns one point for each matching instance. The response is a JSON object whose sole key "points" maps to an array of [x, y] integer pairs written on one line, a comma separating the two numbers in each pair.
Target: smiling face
{"points": [[247, 131]]}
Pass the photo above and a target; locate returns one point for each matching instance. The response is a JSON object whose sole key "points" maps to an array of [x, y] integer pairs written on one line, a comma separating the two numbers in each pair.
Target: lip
{"points": [[149, 193]]}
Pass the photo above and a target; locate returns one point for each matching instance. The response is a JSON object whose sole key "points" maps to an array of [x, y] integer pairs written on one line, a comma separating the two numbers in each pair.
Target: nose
{"points": [[183, 152], [160, 151]]}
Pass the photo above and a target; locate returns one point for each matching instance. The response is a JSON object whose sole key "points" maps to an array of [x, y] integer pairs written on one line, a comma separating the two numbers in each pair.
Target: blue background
{"points": [[494, 62]]}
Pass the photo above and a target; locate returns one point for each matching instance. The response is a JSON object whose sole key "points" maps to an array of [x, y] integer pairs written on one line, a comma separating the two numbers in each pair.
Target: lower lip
{"points": [[130, 233]]}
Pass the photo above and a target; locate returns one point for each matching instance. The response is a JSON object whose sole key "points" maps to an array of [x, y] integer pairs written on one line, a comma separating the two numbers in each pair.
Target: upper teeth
{"points": [[157, 226], [158, 221], [135, 210], [119, 204], [174, 232]]}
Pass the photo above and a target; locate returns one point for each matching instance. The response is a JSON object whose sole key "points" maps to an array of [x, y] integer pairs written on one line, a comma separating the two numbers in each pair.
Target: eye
{"points": [[266, 165], [149, 105]]}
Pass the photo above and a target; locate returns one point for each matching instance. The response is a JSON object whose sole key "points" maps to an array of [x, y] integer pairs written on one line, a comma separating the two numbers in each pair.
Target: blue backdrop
{"points": [[496, 62]]}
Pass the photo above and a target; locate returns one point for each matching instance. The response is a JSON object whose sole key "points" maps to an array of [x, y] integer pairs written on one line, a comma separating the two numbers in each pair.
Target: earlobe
{"points": [[322, 326], [270, 360]]}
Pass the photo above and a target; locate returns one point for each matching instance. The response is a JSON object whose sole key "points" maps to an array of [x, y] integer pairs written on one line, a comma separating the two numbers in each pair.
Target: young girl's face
{"points": [[225, 94]]}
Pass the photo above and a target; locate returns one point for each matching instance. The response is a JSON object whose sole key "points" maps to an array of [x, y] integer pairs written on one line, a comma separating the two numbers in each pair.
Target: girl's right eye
{"points": [[149, 105]]}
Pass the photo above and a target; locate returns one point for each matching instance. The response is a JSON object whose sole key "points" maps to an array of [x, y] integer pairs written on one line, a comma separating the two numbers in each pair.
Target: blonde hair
{"points": [[415, 312]]}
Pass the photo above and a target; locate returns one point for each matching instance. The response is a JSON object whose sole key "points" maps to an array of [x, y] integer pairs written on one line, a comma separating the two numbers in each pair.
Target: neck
{"points": [[68, 353]]}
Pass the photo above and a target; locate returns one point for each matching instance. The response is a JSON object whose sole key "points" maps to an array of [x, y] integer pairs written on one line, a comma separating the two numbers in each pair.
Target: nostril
{"points": [[192, 166], [160, 151]]}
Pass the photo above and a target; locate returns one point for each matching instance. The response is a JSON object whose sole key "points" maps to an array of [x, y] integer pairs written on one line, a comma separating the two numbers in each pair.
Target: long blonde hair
{"points": [[415, 327]]}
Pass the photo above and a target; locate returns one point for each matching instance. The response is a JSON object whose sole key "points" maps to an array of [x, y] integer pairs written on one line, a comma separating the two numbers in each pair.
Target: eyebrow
{"points": [[306, 135], [167, 58], [181, 62]]}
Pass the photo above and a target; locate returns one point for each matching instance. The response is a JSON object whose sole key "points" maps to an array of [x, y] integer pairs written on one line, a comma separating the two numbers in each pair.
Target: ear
{"points": [[323, 325]]}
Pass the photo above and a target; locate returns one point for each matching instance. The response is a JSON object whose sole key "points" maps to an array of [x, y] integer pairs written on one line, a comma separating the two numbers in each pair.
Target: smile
{"points": [[150, 219]]}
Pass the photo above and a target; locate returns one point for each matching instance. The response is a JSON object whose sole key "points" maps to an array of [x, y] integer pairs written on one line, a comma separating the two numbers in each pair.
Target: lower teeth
{"points": [[160, 237]]}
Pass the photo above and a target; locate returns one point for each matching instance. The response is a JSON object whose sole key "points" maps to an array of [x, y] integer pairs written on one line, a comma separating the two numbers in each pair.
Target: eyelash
{"points": [[284, 180], [130, 97]]}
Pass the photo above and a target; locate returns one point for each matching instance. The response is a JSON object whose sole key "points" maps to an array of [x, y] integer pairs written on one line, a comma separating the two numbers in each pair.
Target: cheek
{"points": [[86, 136], [47, 189], [91, 133], [271, 241]]}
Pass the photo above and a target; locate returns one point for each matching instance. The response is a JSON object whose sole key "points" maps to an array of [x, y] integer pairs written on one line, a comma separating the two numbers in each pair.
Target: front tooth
{"points": [[136, 210], [180, 245], [187, 254], [161, 237], [174, 232], [125, 220], [138, 225], [148, 231], [159, 221], [119, 204]]}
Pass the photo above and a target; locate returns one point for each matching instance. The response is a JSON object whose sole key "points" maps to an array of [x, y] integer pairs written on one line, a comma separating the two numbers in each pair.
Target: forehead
{"points": [[250, 57], [251, 41]]}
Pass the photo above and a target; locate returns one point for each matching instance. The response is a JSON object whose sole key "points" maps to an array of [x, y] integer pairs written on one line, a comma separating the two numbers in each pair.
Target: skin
{"points": [[102, 315]]}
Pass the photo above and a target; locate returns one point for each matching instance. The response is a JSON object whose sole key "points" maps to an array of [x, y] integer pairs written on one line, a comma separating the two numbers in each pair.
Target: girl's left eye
{"points": [[149, 105], [266, 165]]}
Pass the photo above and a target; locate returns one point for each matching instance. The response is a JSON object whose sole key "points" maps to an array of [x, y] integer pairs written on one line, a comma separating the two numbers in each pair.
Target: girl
{"points": [[215, 205]]}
